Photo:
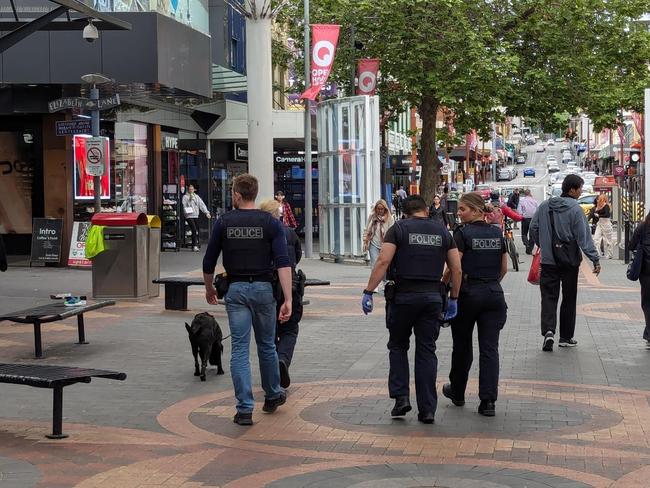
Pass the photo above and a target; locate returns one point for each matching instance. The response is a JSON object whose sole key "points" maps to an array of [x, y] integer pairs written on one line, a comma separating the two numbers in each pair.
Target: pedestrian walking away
{"points": [[438, 212], [513, 202], [286, 334], [642, 235], [286, 214], [561, 230], [192, 207], [496, 212], [414, 253], [379, 221], [481, 302], [527, 208], [604, 233], [253, 245]]}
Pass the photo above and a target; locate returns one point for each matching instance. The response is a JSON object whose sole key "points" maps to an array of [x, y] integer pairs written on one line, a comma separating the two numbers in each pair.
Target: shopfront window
{"points": [[131, 167], [17, 167]]}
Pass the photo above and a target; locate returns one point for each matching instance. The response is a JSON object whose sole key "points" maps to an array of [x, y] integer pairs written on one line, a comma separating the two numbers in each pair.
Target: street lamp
{"points": [[96, 79]]}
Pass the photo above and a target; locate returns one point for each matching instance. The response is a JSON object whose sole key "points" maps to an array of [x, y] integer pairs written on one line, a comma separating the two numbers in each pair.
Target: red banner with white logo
{"points": [[325, 37], [367, 70]]}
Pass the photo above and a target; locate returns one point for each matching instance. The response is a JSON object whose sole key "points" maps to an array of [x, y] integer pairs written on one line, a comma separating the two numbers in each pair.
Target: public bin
{"points": [[154, 254], [122, 270]]}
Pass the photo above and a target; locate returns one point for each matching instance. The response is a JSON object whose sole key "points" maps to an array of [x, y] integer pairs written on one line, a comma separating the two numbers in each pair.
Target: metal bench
{"points": [[176, 290], [55, 377], [54, 312]]}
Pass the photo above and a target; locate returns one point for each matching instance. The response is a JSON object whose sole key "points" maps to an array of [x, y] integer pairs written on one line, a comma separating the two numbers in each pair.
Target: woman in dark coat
{"points": [[642, 234], [438, 212]]}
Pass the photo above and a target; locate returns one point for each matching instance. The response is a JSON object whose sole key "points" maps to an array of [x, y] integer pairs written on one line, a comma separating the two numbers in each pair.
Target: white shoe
{"points": [[195, 249]]}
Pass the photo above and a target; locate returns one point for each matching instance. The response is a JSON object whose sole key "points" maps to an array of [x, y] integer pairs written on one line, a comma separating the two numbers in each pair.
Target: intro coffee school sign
{"points": [[46, 240]]}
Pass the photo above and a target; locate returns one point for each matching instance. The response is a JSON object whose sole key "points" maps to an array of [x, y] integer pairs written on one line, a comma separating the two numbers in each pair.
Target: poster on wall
{"points": [[77, 256], [16, 181], [46, 240], [83, 182]]}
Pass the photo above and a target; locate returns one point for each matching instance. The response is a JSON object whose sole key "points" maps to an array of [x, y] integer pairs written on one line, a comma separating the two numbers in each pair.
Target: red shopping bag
{"points": [[535, 268]]}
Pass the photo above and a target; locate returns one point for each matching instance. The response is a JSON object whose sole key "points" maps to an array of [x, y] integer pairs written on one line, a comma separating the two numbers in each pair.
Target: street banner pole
{"points": [[646, 159], [309, 245]]}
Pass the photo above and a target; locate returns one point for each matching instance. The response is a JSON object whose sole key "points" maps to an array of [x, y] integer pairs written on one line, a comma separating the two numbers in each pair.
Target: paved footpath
{"points": [[574, 418]]}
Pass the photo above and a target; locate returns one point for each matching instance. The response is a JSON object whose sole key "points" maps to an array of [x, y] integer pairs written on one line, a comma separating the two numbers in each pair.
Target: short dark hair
{"points": [[246, 185], [279, 193], [413, 204], [571, 182]]}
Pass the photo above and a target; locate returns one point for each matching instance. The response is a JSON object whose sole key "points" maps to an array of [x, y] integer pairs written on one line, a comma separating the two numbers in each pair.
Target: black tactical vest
{"points": [[422, 246], [292, 238], [246, 243], [483, 250]]}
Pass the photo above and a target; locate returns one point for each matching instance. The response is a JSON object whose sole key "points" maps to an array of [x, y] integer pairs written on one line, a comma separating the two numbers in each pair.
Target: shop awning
{"points": [[459, 154]]}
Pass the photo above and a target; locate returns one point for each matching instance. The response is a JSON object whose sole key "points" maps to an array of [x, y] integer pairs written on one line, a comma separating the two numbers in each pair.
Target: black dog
{"points": [[205, 337]]}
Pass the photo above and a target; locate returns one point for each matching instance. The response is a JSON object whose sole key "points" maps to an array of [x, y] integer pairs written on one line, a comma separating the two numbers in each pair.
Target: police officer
{"points": [[253, 245], [484, 263], [414, 252], [286, 334]]}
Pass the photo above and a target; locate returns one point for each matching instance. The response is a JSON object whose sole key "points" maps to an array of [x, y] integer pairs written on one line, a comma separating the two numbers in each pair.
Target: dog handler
{"points": [[287, 333], [484, 262], [414, 252], [253, 246]]}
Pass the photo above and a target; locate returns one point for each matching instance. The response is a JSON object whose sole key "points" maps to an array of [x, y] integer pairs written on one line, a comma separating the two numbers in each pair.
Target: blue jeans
{"points": [[252, 305]]}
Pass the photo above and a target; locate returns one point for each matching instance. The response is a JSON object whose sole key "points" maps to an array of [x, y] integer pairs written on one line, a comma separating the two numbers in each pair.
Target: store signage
{"points": [[77, 255], [46, 240], [619, 171], [84, 188], [72, 127], [80, 103], [170, 142], [241, 152], [96, 155], [288, 158], [401, 171]]}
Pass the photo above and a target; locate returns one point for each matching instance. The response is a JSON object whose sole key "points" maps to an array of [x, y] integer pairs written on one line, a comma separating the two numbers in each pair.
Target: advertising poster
{"points": [[83, 182], [77, 256], [46, 240]]}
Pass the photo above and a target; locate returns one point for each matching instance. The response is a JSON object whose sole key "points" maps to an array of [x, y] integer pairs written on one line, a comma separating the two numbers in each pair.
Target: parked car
{"points": [[484, 190], [541, 148], [513, 171], [586, 201], [550, 142], [521, 159], [553, 168], [551, 159], [530, 171], [504, 174]]}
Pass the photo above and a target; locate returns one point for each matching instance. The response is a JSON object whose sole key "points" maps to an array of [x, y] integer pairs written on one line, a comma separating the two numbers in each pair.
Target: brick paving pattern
{"points": [[572, 419]]}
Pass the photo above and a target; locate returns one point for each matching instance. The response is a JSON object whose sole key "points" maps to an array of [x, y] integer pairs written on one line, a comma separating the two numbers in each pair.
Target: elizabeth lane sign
{"points": [[80, 103]]}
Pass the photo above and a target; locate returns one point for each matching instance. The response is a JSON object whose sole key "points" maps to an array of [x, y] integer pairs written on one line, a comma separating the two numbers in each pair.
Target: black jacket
{"points": [[439, 214], [636, 238], [3, 256]]}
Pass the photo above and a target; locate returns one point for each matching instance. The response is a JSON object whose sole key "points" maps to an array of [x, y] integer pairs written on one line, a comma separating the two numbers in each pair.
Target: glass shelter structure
{"points": [[348, 173]]}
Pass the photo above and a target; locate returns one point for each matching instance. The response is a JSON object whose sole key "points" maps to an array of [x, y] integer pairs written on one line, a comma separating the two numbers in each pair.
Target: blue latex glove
{"points": [[452, 309], [366, 303]]}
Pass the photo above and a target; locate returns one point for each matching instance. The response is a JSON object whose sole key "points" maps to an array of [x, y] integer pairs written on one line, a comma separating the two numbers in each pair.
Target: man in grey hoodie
{"points": [[570, 226]]}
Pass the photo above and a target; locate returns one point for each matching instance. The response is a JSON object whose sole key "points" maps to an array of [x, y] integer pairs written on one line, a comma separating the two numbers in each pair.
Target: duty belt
{"points": [[266, 278], [471, 279]]}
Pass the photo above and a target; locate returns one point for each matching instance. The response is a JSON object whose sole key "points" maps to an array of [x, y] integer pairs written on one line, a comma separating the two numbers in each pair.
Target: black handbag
{"points": [[565, 253], [221, 284], [634, 266]]}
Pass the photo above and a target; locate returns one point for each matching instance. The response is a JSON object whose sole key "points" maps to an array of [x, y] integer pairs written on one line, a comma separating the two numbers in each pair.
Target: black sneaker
{"points": [[243, 418], [567, 343], [486, 408], [426, 417], [285, 380], [549, 340], [401, 408], [447, 391], [271, 405]]}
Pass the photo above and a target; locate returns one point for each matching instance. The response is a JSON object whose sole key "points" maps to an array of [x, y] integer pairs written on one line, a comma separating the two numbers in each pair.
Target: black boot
{"points": [[486, 408], [448, 392], [402, 406], [426, 417]]}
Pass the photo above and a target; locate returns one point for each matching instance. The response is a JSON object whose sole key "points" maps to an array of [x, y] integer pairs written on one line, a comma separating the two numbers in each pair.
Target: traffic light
{"points": [[635, 157]]}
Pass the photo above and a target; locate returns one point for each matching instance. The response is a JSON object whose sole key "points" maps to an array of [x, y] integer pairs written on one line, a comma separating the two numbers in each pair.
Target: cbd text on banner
{"points": [[325, 37], [367, 75]]}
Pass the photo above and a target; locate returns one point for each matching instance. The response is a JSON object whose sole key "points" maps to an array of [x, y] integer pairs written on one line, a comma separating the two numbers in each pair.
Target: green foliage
{"points": [[541, 59]]}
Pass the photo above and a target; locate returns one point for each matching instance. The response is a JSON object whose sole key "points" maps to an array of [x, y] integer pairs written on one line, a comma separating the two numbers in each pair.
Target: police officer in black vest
{"points": [[253, 245], [481, 301], [287, 333], [414, 252]]}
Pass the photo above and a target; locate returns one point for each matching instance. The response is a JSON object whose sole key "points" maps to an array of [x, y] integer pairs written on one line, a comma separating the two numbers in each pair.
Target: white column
{"points": [[260, 103], [646, 159]]}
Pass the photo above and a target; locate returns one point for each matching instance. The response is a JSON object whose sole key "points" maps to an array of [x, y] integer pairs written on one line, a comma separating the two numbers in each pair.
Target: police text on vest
{"points": [[425, 240], [245, 233], [486, 244]]}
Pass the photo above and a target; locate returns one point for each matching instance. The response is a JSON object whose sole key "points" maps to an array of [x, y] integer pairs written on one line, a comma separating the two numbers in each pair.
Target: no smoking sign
{"points": [[96, 155]]}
